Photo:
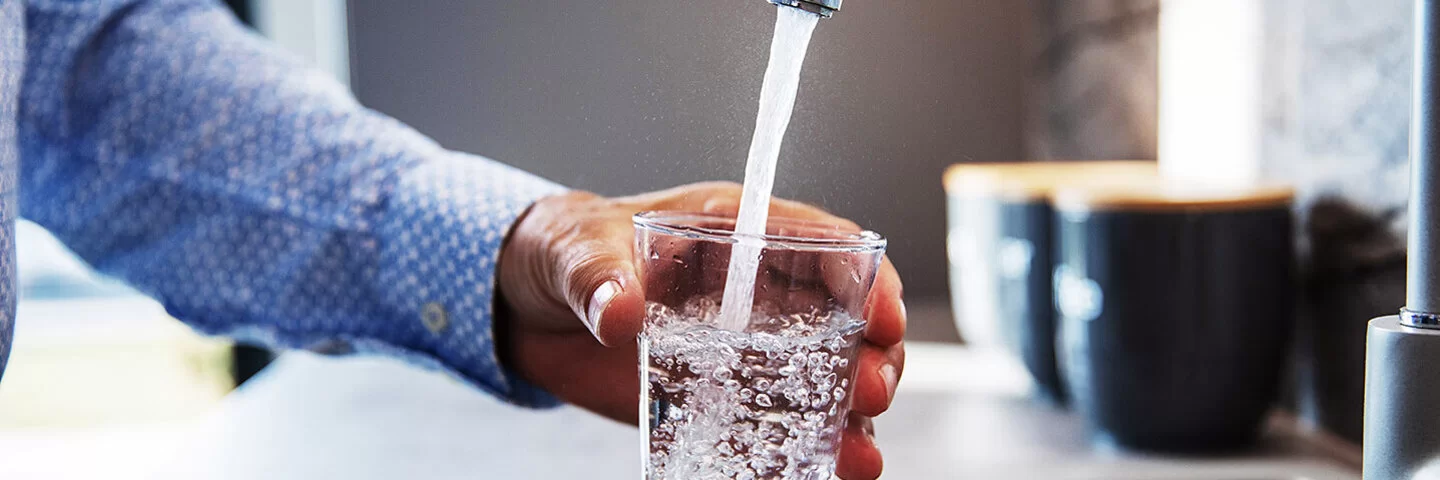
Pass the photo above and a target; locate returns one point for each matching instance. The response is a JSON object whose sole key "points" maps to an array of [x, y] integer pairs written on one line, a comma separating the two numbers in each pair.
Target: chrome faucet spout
{"points": [[824, 8]]}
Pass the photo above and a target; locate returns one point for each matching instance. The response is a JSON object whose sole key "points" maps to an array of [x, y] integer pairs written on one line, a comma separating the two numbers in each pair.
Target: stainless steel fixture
{"points": [[824, 8], [1402, 393]]}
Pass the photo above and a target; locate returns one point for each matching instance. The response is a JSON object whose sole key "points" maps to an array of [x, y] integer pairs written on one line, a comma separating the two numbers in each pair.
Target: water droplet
{"points": [[654, 255], [764, 401], [839, 394], [732, 386], [787, 370], [722, 374]]}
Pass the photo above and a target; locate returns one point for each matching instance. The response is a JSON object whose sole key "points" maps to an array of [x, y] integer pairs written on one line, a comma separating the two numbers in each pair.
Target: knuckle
{"points": [[590, 263], [720, 205], [719, 189]]}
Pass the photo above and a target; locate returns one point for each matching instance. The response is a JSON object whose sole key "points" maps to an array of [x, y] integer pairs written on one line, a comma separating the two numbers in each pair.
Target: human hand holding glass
{"points": [[571, 256]]}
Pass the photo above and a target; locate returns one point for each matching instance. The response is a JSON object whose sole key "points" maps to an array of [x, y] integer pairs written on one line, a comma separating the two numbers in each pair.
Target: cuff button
{"points": [[435, 318]]}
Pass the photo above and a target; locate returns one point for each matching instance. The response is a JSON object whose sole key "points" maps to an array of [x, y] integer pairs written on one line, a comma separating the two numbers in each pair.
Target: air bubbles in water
{"points": [[771, 407]]}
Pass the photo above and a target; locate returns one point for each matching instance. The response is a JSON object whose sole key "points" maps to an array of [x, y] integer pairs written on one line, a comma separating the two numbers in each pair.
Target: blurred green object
{"points": [[91, 351], [106, 361]]}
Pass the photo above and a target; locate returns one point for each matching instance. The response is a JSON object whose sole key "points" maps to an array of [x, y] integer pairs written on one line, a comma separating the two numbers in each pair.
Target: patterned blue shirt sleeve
{"points": [[253, 196]]}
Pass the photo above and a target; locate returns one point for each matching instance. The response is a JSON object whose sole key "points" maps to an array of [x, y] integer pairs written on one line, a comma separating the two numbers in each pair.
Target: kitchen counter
{"points": [[958, 414]]}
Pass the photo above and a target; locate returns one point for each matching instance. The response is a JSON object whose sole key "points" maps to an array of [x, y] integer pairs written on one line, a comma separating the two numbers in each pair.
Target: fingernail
{"points": [[598, 301], [891, 378]]}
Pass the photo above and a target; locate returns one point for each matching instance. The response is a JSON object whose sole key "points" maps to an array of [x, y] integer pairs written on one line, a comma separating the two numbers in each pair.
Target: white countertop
{"points": [[958, 414]]}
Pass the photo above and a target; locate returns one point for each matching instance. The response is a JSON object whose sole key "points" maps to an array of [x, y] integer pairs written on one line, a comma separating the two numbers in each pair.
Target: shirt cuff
{"points": [[439, 245]]}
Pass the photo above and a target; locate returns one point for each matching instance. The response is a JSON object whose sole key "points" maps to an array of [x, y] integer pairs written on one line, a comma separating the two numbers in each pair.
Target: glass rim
{"points": [[685, 224]]}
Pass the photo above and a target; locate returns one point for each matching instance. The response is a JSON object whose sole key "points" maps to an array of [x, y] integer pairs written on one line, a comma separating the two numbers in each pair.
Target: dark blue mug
{"points": [[1175, 309]]}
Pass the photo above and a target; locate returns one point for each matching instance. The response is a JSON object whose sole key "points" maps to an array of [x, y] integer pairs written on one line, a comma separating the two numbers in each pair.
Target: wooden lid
{"points": [[1171, 196], [1035, 180]]}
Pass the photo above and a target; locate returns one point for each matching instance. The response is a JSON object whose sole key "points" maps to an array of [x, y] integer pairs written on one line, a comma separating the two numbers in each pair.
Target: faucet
{"points": [[1402, 392], [823, 8]]}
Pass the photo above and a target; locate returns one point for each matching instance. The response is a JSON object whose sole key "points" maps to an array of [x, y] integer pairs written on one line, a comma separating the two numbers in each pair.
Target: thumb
{"points": [[601, 287]]}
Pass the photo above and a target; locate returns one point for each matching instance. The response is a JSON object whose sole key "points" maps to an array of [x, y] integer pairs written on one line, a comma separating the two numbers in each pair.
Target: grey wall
{"points": [[625, 96]]}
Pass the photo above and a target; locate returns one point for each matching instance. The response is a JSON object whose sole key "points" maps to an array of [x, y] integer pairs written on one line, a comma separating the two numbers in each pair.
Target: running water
{"points": [[793, 28], [734, 394]]}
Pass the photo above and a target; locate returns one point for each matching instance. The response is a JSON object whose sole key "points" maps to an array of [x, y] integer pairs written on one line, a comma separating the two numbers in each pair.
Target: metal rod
{"points": [[1422, 301]]}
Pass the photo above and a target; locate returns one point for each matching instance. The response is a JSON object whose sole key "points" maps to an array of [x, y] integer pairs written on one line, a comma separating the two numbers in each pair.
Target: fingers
{"points": [[877, 374], [806, 274], [599, 282], [859, 458], [692, 197], [779, 207], [581, 372], [792, 209], [791, 279], [886, 308]]}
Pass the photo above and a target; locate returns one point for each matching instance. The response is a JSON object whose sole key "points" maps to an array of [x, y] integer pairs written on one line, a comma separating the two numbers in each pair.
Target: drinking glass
{"points": [[768, 400]]}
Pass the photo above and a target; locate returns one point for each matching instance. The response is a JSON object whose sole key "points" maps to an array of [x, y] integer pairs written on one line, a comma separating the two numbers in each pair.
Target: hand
{"points": [[558, 277]]}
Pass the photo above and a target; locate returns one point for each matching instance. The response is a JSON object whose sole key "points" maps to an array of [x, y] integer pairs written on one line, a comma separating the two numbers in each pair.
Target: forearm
{"points": [[252, 195]]}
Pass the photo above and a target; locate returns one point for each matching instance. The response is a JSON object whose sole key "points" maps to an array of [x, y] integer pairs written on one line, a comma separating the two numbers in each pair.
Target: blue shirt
{"points": [[246, 191]]}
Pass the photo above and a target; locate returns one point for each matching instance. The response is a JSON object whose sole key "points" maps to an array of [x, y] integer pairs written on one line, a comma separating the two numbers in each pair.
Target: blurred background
{"points": [[644, 94]]}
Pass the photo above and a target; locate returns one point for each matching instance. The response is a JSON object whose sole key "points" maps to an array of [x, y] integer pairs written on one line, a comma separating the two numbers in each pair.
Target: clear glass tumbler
{"points": [[766, 402]]}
